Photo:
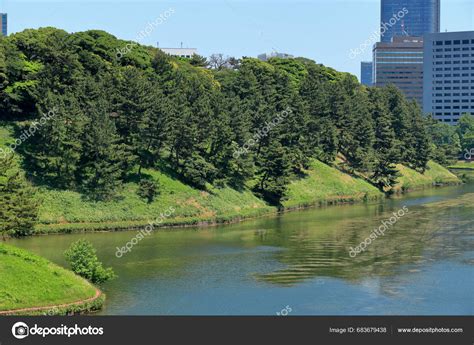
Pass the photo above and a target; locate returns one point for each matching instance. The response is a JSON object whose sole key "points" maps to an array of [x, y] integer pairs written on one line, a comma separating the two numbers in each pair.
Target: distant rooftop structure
{"points": [[266, 57], [181, 52], [3, 24]]}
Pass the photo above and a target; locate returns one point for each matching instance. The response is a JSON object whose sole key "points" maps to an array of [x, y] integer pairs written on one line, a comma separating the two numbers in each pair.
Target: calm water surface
{"points": [[424, 264]]}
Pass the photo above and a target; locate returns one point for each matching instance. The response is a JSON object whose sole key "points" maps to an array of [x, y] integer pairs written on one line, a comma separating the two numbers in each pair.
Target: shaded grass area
{"points": [[28, 280]]}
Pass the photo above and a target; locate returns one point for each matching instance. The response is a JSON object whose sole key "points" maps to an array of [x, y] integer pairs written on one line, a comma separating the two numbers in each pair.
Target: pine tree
{"points": [[385, 172], [421, 142], [18, 206], [102, 155], [274, 173], [138, 113], [400, 115], [54, 148]]}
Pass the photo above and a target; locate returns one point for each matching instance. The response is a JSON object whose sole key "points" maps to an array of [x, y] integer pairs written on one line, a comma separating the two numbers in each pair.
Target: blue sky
{"points": [[323, 30]]}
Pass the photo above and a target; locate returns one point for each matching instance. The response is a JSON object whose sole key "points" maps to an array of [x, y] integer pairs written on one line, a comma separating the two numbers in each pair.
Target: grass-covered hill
{"points": [[36, 286], [63, 210], [434, 175], [319, 185]]}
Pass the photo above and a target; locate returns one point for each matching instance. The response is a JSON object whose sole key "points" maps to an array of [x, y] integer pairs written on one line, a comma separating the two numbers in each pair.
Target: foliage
{"points": [[147, 110], [148, 189], [82, 258], [18, 206]]}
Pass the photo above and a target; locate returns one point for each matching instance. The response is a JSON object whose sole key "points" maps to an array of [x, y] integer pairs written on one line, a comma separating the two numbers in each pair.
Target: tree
{"points": [[82, 258], [219, 62], [465, 130], [148, 190], [446, 144], [198, 61], [420, 141], [102, 155], [54, 149], [385, 172], [18, 205], [356, 133], [401, 123], [274, 172]]}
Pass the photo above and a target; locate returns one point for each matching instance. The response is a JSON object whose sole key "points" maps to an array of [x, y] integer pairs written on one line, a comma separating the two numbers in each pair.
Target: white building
{"points": [[448, 75], [181, 52]]}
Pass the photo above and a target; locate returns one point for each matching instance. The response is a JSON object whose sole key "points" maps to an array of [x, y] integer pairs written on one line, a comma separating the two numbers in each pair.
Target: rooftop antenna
{"points": [[404, 31], [181, 45], [157, 44]]}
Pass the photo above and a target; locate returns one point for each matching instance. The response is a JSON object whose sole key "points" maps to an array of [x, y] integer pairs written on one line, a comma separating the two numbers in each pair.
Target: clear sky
{"points": [[323, 30]]}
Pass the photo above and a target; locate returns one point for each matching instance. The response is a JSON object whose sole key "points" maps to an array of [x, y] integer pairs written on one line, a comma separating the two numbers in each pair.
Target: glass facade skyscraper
{"points": [[400, 63], [366, 73], [409, 18], [3, 24]]}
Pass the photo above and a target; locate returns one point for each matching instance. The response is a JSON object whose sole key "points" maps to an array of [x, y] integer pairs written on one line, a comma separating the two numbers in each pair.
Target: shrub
{"points": [[148, 190], [82, 257]]}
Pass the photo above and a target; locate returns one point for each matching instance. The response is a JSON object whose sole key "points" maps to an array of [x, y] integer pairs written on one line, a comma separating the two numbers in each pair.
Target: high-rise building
{"points": [[400, 62], [3, 24], [409, 18], [366, 73], [449, 75]]}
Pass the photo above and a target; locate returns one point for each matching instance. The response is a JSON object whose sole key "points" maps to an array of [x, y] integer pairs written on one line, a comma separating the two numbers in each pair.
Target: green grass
{"points": [[463, 170], [434, 175], [326, 185], [64, 208], [463, 165], [28, 280]]}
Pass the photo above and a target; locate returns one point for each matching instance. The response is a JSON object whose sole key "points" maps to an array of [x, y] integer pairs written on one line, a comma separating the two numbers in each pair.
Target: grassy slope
{"points": [[69, 211], [28, 280], [326, 185], [192, 206], [463, 165], [435, 174], [464, 170]]}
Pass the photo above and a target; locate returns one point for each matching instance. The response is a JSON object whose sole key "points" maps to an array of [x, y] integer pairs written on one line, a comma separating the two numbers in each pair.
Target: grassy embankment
{"points": [[434, 175], [66, 211], [29, 281], [464, 170]]}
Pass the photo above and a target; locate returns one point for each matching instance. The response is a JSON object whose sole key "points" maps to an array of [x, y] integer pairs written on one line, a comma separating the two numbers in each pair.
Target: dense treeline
{"points": [[248, 123]]}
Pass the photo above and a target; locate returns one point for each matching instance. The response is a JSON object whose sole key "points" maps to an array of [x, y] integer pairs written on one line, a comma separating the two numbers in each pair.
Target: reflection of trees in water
{"points": [[428, 233]]}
